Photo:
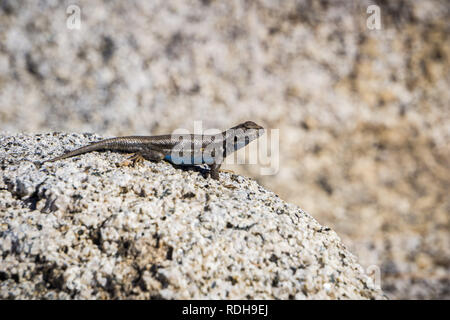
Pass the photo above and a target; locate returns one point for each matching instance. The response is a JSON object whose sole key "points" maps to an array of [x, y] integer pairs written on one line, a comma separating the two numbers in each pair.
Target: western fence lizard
{"points": [[190, 149]]}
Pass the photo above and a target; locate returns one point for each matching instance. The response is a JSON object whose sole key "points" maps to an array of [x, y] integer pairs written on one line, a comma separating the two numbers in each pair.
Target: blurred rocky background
{"points": [[363, 115]]}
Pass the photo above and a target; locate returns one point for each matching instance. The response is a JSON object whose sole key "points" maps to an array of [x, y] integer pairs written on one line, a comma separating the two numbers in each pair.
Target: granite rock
{"points": [[90, 228], [363, 115]]}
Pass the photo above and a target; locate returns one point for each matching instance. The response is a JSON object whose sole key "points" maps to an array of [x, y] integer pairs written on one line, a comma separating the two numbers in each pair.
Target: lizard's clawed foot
{"points": [[227, 171], [134, 160]]}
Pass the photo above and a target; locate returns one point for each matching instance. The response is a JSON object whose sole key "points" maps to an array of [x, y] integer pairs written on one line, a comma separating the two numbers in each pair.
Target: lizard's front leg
{"points": [[214, 170]]}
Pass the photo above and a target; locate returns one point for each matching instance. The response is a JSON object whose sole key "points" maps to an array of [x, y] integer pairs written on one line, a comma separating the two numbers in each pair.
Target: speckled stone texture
{"points": [[86, 227], [363, 114]]}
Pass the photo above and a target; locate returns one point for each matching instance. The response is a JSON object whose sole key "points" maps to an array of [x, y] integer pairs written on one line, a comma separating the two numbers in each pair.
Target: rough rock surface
{"points": [[363, 114], [87, 228]]}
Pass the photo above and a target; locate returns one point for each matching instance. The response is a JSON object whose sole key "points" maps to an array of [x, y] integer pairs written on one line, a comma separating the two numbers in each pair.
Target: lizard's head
{"points": [[242, 134], [248, 129], [249, 126]]}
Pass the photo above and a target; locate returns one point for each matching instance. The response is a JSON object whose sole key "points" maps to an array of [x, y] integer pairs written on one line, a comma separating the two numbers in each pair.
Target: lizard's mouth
{"points": [[260, 130]]}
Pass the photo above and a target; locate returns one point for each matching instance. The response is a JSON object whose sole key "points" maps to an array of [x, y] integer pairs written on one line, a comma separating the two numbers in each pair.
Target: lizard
{"points": [[190, 149]]}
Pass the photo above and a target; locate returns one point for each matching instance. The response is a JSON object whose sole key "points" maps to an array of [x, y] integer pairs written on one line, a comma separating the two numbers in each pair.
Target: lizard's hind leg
{"points": [[135, 159], [139, 157], [152, 155]]}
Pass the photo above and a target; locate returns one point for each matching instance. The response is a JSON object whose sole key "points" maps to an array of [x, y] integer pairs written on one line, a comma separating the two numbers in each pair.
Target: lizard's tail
{"points": [[95, 146]]}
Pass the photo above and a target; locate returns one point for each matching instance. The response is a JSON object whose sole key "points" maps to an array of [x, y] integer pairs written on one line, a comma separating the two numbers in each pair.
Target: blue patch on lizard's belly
{"points": [[200, 159]]}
